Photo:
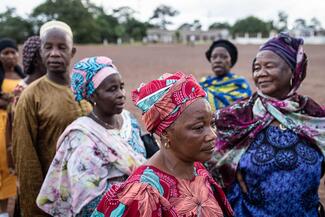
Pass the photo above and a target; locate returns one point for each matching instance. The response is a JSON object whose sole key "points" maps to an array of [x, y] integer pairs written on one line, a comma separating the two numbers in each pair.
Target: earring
{"points": [[95, 104], [167, 145]]}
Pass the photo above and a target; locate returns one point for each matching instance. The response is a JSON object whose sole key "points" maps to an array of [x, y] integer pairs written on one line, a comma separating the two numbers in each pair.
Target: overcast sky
{"points": [[207, 11]]}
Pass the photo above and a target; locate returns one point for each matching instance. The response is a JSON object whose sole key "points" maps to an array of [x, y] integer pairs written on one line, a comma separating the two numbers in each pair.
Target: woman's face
{"points": [[272, 75], [110, 95], [9, 57], [192, 135], [220, 61]]}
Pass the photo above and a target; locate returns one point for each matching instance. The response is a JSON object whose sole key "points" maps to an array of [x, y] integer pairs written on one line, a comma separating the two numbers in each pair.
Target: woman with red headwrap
{"points": [[173, 182], [275, 141]]}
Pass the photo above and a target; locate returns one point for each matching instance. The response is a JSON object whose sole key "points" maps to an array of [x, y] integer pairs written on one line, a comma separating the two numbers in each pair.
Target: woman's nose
{"points": [[211, 135]]}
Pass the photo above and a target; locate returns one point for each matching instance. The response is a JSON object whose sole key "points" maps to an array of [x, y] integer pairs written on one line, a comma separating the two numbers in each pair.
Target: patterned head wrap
{"points": [[88, 74], [163, 100], [31, 48], [291, 51]]}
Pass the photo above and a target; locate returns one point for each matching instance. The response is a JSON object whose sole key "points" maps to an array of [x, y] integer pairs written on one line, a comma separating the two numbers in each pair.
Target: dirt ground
{"points": [[142, 63]]}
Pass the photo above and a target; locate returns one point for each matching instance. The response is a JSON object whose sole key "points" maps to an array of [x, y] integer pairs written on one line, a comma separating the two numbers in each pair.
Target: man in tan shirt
{"points": [[43, 111]]}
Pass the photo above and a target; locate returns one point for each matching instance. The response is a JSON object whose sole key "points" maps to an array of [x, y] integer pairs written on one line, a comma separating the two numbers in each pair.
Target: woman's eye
{"points": [[200, 127], [213, 124], [256, 67], [111, 89]]}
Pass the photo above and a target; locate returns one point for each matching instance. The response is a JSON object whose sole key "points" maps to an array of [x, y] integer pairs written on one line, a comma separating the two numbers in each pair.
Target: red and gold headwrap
{"points": [[163, 100]]}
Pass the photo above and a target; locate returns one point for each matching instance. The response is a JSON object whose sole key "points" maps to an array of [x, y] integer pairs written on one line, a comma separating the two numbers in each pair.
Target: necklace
{"points": [[172, 170], [107, 126], [282, 127]]}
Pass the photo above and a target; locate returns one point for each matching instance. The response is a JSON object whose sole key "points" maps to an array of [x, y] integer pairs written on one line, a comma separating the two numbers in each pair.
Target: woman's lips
{"points": [[264, 83], [208, 149]]}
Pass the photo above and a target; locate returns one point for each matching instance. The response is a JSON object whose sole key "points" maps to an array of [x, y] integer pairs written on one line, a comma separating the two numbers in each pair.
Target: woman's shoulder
{"points": [[78, 130], [152, 176], [137, 194], [144, 179]]}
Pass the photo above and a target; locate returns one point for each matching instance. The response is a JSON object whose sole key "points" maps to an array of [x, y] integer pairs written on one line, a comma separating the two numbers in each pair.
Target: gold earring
{"points": [[167, 145]]}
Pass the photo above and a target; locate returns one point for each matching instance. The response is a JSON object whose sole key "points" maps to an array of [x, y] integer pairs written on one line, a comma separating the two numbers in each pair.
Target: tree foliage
{"points": [[89, 23], [218, 25], [161, 14], [73, 12], [282, 22], [14, 26], [252, 25], [92, 24]]}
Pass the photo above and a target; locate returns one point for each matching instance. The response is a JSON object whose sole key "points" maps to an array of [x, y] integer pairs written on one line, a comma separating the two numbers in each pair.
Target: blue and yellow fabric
{"points": [[223, 91]]}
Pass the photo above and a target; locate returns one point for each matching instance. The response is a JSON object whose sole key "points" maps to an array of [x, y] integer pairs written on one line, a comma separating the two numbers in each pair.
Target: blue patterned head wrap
{"points": [[87, 75]]}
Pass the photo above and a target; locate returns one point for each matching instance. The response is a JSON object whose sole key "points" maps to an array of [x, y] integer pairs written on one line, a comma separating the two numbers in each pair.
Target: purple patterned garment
{"points": [[239, 124]]}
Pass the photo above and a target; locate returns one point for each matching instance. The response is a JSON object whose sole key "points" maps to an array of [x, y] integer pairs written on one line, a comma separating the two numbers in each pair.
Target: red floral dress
{"points": [[152, 192]]}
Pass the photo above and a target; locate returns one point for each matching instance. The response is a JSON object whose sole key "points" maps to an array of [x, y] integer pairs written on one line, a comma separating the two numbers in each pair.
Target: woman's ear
{"points": [[163, 137]]}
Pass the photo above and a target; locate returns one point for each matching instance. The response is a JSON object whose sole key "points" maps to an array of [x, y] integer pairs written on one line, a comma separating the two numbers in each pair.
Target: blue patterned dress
{"points": [[282, 173]]}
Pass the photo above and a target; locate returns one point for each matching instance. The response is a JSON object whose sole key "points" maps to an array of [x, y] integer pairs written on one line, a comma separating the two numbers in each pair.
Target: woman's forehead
{"points": [[267, 55], [8, 49], [200, 109]]}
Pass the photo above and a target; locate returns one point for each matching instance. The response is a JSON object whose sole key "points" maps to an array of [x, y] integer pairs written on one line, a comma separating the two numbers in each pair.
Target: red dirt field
{"points": [[141, 63]]}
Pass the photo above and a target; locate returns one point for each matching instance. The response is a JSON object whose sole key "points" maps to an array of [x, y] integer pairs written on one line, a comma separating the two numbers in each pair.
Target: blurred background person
{"points": [[33, 69], [95, 151], [275, 141], [32, 64], [173, 182], [224, 87], [10, 75]]}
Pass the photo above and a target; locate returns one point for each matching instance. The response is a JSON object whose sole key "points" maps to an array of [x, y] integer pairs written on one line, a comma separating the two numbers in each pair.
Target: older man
{"points": [[43, 111]]}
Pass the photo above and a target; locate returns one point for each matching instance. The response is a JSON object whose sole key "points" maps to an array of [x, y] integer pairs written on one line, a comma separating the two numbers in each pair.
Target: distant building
{"points": [[185, 35], [309, 34], [161, 35], [302, 31]]}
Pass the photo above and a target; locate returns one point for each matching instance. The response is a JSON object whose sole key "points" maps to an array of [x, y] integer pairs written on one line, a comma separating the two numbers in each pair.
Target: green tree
{"points": [[315, 24], [107, 24], [14, 26], [161, 14], [300, 23], [282, 22], [129, 27], [75, 13], [196, 25], [218, 25], [252, 25], [124, 13]]}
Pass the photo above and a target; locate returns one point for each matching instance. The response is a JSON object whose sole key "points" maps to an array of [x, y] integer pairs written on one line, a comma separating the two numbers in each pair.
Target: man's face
{"points": [[57, 51]]}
